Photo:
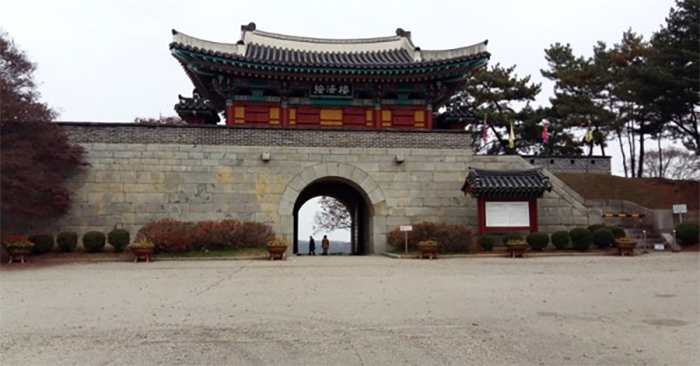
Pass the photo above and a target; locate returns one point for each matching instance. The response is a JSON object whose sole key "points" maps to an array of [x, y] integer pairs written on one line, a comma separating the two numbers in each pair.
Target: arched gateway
{"points": [[351, 186]]}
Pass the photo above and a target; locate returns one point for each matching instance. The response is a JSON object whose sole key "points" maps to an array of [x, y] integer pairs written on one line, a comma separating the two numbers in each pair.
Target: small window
{"points": [[592, 162], [532, 161], [572, 161], [551, 161]]}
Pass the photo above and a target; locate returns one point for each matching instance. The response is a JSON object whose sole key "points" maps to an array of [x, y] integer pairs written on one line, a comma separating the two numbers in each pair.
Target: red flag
{"points": [[485, 130], [545, 133]]}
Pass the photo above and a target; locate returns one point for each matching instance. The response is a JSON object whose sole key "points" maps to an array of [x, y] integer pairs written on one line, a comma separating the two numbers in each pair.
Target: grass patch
{"points": [[246, 252]]}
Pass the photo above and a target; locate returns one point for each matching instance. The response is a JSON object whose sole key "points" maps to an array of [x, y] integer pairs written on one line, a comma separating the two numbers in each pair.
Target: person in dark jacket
{"points": [[312, 246]]}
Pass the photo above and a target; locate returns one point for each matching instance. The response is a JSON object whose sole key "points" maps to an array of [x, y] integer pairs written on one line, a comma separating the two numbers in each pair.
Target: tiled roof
{"points": [[267, 54], [197, 106], [506, 183], [278, 49]]}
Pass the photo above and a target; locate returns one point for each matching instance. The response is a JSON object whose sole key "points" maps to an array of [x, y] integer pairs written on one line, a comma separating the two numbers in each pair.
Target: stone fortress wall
{"points": [[572, 164], [141, 173]]}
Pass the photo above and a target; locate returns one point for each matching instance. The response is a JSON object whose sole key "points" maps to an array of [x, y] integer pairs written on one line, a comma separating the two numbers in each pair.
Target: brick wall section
{"points": [[568, 164], [131, 133]]}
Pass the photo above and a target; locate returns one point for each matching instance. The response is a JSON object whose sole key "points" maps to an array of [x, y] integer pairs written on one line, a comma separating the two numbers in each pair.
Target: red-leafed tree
{"points": [[36, 157]]}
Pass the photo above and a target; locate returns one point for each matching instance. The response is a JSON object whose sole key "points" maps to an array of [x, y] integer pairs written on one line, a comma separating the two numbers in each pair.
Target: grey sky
{"points": [[109, 60]]}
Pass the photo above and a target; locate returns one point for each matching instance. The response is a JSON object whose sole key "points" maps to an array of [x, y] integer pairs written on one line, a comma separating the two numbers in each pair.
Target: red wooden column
{"points": [[429, 116], [285, 114], [377, 116], [230, 114]]}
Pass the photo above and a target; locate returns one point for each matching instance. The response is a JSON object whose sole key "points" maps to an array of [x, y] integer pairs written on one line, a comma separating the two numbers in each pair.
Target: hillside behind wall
{"points": [[143, 173]]}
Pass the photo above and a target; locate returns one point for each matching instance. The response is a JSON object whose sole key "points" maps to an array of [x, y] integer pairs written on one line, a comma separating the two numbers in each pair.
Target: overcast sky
{"points": [[109, 60]]}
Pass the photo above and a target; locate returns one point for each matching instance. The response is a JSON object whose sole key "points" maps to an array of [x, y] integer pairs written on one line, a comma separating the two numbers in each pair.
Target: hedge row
{"points": [[177, 236], [452, 238], [578, 238], [67, 241]]}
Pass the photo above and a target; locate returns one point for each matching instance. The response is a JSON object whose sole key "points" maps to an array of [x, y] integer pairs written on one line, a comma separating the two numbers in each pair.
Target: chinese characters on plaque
{"points": [[331, 90]]}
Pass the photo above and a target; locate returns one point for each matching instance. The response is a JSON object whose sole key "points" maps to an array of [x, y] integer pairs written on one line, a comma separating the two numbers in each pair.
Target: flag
{"points": [[511, 137], [485, 130], [589, 134], [545, 133]]}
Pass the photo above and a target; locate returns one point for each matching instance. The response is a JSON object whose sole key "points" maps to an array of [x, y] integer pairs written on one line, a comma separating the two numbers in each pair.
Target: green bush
{"points": [[603, 237], [617, 231], [687, 233], [453, 238], [67, 241], [538, 241], [487, 243], [42, 243], [595, 227], [512, 236], [581, 238], [119, 239], [94, 241], [561, 239]]}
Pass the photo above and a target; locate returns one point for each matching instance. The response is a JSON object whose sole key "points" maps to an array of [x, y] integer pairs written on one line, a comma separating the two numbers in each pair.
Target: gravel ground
{"points": [[355, 310]]}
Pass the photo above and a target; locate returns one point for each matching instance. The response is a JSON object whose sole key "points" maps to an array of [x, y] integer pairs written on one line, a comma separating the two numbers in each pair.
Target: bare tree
{"points": [[673, 163], [333, 216]]}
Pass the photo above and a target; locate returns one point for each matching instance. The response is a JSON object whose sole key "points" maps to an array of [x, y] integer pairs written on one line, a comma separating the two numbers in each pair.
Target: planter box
{"points": [[430, 251], [277, 252], [19, 254], [625, 247], [517, 250], [142, 253]]}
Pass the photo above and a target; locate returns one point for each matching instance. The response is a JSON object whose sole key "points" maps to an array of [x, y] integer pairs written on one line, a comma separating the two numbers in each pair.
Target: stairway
{"points": [[652, 237]]}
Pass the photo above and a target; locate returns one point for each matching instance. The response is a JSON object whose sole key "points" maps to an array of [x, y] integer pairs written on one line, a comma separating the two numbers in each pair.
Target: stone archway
{"points": [[353, 176]]}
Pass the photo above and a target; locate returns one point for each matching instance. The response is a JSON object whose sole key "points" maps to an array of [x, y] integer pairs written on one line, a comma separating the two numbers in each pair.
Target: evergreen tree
{"points": [[499, 97]]}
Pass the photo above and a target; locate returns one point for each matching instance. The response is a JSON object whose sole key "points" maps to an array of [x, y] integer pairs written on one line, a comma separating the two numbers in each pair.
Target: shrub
{"points": [[276, 243], [581, 238], [561, 239], [687, 233], [175, 236], [119, 239], [94, 241], [142, 245], [16, 241], [617, 231], [453, 238], [428, 243], [42, 243], [603, 238], [167, 235], [512, 237], [538, 241], [487, 243], [67, 241], [595, 227]]}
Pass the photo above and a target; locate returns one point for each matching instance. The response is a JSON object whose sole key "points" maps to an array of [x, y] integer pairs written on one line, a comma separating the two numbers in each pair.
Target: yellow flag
{"points": [[511, 137], [589, 136]]}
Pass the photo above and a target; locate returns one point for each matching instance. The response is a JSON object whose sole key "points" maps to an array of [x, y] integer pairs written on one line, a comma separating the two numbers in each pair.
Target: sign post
{"points": [[406, 229], [680, 210]]}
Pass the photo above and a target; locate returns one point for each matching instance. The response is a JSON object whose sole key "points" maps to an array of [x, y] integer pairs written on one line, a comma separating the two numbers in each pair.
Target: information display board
{"points": [[507, 214]]}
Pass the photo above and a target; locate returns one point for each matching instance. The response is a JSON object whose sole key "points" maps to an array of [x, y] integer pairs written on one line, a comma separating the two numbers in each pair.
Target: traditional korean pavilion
{"points": [[274, 79]]}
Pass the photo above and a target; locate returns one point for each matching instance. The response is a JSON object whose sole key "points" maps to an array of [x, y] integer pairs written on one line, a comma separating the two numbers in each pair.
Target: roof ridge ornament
{"points": [[403, 33], [250, 27]]}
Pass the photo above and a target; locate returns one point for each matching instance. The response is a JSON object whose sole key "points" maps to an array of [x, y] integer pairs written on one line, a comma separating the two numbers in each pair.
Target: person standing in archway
{"points": [[325, 244], [312, 246]]}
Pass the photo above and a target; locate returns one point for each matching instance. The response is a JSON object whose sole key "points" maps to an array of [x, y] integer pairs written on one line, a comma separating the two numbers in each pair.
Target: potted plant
{"points": [[625, 245], [517, 247], [142, 250], [276, 248], [19, 247], [428, 247]]}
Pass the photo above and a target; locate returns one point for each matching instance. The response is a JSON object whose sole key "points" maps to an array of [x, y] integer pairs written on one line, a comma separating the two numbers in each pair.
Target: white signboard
{"points": [[507, 214], [680, 209], [406, 228]]}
